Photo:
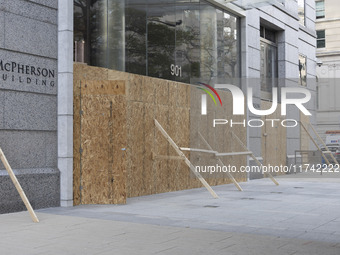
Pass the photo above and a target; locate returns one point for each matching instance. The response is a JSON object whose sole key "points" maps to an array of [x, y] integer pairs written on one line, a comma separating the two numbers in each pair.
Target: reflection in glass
{"points": [[208, 23], [182, 40], [303, 70], [99, 32], [230, 49], [187, 41], [80, 30], [116, 35], [320, 39], [161, 26], [269, 69], [135, 37], [301, 11], [320, 9], [219, 45]]}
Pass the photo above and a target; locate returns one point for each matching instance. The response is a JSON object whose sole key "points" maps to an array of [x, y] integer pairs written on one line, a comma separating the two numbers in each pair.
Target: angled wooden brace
{"points": [[253, 156], [186, 160], [220, 161], [18, 187], [324, 144], [315, 143]]}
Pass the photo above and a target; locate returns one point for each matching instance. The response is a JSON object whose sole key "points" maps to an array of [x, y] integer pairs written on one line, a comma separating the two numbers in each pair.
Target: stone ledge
{"points": [[41, 187]]}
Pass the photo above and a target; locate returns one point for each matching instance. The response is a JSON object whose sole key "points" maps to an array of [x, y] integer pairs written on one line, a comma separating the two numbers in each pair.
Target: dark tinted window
{"points": [[183, 40], [321, 39]]}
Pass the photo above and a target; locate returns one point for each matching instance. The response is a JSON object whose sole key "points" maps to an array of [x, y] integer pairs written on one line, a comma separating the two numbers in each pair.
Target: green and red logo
{"points": [[209, 93]]}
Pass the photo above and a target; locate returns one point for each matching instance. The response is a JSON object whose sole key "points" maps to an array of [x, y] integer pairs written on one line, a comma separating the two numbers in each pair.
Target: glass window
{"points": [[229, 55], [320, 9], [115, 35], [161, 38], [269, 62], [301, 11], [269, 69], [80, 19], [303, 70], [218, 45], [182, 40], [320, 39], [210, 38], [268, 34], [135, 37], [80, 32], [99, 33], [187, 64]]}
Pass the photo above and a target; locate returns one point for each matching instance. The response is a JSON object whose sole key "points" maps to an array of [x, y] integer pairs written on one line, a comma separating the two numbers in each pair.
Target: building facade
{"points": [[207, 41], [328, 70], [286, 31], [29, 87], [262, 44]]}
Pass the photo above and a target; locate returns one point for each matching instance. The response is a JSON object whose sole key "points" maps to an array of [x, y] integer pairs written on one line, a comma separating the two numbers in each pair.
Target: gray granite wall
{"points": [[28, 102], [293, 39]]}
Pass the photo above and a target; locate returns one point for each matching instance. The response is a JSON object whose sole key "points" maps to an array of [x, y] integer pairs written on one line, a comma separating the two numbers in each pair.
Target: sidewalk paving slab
{"points": [[301, 216]]}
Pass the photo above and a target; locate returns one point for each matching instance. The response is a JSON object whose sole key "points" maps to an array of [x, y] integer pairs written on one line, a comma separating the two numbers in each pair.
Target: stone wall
{"points": [[28, 96], [293, 39]]}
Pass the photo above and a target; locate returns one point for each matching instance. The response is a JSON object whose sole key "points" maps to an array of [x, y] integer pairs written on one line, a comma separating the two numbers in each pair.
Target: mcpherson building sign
{"points": [[26, 74]]}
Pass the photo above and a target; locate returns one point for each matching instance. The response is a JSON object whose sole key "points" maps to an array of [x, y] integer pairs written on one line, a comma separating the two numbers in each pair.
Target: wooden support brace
{"points": [[220, 161], [233, 153], [157, 157], [198, 150], [18, 187], [324, 144], [315, 143], [253, 156], [186, 160]]}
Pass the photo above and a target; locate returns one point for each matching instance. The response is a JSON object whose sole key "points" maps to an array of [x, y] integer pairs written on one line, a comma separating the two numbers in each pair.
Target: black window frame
{"points": [[319, 39], [322, 10]]}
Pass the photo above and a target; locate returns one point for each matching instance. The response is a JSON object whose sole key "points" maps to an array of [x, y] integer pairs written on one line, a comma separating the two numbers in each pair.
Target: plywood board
{"points": [[184, 92], [114, 75], [135, 151], [149, 140], [173, 168], [135, 88], [183, 138], [274, 137], [76, 144], [161, 148], [89, 73], [148, 90], [99, 137], [95, 133], [173, 165], [304, 138], [161, 92], [119, 135], [117, 129], [103, 88]]}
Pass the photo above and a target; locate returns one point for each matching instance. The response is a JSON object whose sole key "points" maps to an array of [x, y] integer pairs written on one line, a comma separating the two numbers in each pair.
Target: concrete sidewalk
{"points": [[301, 216]]}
